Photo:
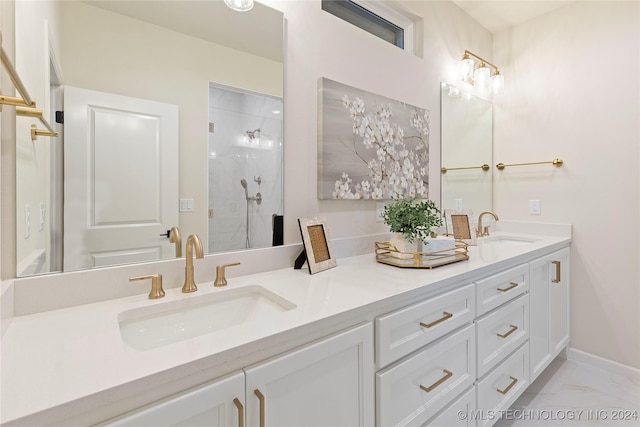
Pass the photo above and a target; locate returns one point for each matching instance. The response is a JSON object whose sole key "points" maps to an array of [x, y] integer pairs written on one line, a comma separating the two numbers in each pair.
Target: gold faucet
{"points": [[156, 285], [481, 232], [174, 237], [192, 241], [220, 279]]}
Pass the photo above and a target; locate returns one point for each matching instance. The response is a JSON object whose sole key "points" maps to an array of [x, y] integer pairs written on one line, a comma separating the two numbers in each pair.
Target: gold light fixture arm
{"points": [[484, 167], [36, 114], [554, 162], [24, 100], [467, 53]]}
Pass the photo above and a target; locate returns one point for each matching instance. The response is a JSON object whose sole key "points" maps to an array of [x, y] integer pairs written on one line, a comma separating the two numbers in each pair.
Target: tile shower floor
{"points": [[571, 393]]}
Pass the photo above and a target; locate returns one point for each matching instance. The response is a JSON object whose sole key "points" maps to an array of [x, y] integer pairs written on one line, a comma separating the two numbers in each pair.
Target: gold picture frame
{"points": [[460, 225], [317, 244]]}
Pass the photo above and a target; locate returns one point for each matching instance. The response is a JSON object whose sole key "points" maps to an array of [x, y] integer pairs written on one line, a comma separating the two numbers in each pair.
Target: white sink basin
{"points": [[159, 324], [511, 240]]}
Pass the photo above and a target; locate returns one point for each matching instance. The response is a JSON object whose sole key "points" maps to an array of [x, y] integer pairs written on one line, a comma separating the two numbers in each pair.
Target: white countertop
{"points": [[67, 361]]}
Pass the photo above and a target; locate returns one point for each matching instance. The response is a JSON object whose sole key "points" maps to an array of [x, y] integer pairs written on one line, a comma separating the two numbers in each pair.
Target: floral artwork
{"points": [[370, 146]]}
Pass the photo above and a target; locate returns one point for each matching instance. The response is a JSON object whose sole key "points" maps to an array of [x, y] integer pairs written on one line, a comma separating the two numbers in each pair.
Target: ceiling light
{"points": [[239, 5]]}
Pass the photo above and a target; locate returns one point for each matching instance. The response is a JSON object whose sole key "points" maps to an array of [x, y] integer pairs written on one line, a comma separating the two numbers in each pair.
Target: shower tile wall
{"points": [[233, 157]]}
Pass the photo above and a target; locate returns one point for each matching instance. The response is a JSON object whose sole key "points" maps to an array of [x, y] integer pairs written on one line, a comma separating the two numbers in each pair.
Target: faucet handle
{"points": [[220, 279], [156, 285]]}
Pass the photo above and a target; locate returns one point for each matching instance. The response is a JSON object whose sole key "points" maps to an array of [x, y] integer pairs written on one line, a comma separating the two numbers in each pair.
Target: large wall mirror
{"points": [[172, 118], [466, 150]]}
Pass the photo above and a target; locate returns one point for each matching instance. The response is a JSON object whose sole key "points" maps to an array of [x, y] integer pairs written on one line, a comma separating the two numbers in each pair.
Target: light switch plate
{"points": [[534, 207], [380, 211], [186, 205]]}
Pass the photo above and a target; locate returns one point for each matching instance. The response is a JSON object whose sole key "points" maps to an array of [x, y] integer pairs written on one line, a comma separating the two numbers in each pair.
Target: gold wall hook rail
{"points": [[484, 167], [24, 100], [554, 162], [36, 114]]}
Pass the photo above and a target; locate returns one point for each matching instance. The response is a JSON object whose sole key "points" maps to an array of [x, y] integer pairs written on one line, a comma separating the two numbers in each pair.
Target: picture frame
{"points": [[317, 244], [460, 225]]}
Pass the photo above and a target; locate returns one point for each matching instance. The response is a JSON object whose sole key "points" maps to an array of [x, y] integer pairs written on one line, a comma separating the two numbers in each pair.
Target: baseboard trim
{"points": [[602, 363]]}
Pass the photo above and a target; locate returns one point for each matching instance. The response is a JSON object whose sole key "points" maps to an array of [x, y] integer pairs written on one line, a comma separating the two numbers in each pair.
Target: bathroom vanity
{"points": [[360, 344]]}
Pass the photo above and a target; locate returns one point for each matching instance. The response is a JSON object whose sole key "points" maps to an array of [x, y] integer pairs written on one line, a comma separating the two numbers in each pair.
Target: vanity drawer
{"points": [[500, 288], [503, 386], [414, 390], [460, 413], [501, 332], [403, 331]]}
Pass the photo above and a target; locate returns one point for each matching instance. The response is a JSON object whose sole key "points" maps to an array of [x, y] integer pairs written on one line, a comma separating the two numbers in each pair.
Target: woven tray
{"points": [[386, 253]]}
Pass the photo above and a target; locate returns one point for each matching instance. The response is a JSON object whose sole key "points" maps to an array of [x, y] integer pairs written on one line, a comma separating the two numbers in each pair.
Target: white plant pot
{"points": [[402, 244]]}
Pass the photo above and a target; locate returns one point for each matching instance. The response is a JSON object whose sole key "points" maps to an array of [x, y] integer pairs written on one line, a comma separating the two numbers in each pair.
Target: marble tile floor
{"points": [[572, 393]]}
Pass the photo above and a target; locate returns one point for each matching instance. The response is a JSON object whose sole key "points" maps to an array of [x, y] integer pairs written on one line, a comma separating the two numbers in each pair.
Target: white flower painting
{"points": [[370, 146]]}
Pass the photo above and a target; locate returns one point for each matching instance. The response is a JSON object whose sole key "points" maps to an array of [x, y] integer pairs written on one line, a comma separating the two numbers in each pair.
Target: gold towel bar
{"points": [[36, 114], [554, 162], [484, 167], [25, 100]]}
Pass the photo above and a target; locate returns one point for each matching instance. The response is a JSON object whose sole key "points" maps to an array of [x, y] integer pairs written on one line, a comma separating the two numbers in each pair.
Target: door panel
{"points": [[121, 178]]}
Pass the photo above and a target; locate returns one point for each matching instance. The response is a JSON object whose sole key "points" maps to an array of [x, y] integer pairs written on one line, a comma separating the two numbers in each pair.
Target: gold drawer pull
{"points": [[447, 375], [506, 390], [240, 412], [557, 264], [513, 285], [512, 330], [445, 316], [261, 399]]}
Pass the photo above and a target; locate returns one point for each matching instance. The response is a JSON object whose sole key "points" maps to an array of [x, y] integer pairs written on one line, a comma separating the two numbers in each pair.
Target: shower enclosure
{"points": [[245, 168]]}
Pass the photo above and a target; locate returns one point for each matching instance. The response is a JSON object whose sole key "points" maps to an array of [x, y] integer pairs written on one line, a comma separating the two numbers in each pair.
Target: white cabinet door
{"points": [[217, 404], [549, 309], [329, 383]]}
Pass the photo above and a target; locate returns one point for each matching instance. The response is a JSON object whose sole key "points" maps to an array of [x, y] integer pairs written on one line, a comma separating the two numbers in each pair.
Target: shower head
{"points": [[243, 182]]}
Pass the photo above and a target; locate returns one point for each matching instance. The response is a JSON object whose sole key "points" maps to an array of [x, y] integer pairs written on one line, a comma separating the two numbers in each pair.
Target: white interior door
{"points": [[121, 178]]}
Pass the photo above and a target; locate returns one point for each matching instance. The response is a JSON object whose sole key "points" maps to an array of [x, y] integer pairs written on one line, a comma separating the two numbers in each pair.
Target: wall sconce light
{"points": [[479, 75], [239, 5]]}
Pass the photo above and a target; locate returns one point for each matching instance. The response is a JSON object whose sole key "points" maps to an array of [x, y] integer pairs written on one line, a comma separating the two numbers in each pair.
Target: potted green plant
{"points": [[412, 221]]}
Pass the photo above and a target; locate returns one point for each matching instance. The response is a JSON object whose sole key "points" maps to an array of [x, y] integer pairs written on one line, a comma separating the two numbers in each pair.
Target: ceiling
{"points": [[497, 16], [209, 20]]}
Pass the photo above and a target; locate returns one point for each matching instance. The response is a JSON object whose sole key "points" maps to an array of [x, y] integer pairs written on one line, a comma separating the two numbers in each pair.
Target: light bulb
{"points": [[239, 5], [497, 83], [481, 77], [465, 67]]}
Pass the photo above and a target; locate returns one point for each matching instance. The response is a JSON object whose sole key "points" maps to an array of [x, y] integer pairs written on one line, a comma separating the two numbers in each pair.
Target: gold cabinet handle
{"points": [[261, 399], [447, 375], [557, 264], [513, 285], [445, 316], [512, 330], [240, 412], [506, 390]]}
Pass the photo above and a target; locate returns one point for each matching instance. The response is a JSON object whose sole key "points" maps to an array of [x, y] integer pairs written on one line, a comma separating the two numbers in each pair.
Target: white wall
{"points": [[320, 45], [573, 92]]}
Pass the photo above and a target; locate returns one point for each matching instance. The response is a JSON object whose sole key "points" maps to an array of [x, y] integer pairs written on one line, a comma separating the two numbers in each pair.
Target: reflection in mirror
{"points": [[245, 169], [116, 180], [466, 146]]}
